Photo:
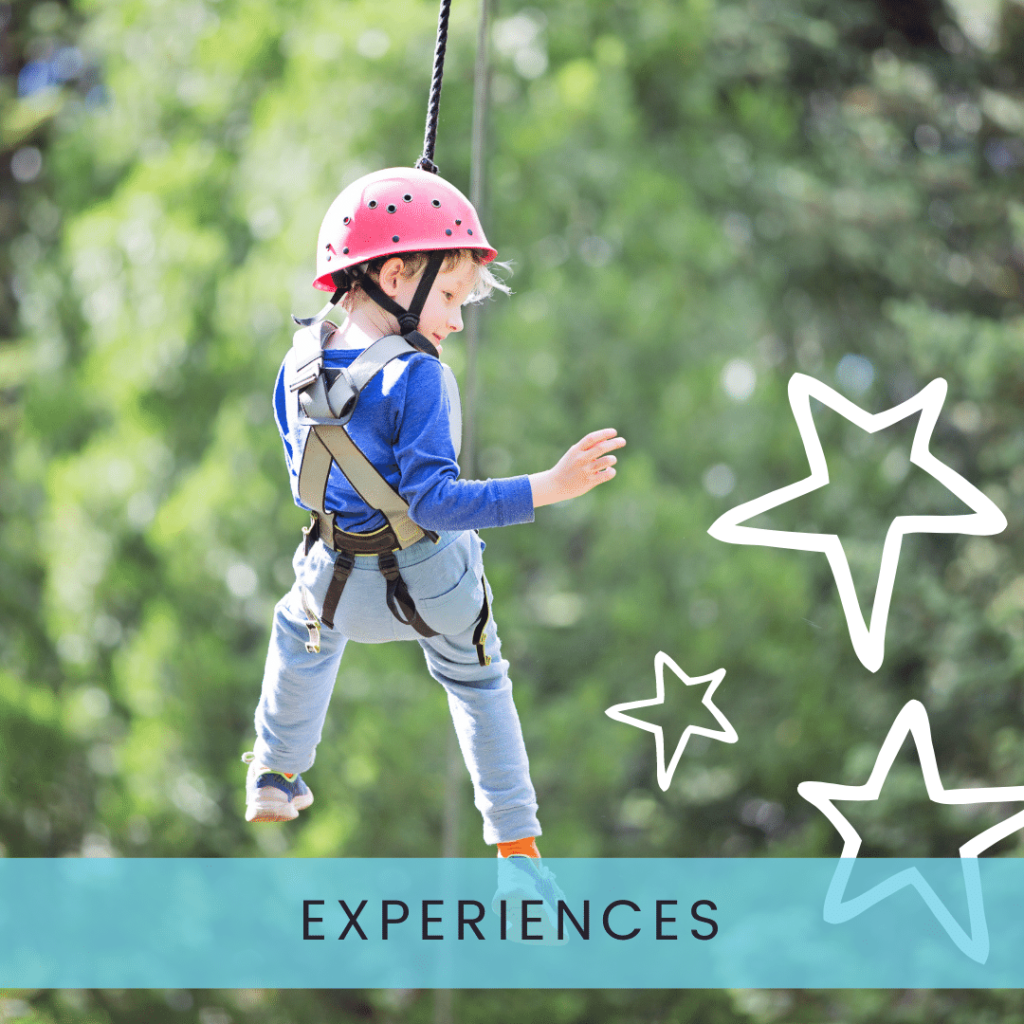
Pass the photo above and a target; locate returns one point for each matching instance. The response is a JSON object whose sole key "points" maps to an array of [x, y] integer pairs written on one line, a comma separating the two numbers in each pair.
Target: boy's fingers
{"points": [[594, 436], [601, 449]]}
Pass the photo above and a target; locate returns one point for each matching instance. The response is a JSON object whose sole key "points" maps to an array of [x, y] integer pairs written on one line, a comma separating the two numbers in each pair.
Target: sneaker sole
{"points": [[268, 808]]}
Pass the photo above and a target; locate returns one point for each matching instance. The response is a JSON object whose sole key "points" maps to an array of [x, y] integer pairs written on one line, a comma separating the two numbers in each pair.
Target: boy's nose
{"points": [[455, 321]]}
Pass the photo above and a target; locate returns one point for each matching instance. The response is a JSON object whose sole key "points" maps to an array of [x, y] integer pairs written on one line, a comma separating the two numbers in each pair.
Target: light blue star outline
{"points": [[913, 719]]}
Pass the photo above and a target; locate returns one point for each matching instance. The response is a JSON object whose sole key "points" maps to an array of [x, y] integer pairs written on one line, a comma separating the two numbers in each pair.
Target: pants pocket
{"points": [[449, 588]]}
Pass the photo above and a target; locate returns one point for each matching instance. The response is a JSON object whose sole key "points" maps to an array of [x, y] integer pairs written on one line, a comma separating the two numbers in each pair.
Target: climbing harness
{"points": [[386, 213], [325, 408]]}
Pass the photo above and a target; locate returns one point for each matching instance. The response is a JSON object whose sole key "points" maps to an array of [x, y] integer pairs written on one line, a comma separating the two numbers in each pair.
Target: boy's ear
{"points": [[390, 274]]}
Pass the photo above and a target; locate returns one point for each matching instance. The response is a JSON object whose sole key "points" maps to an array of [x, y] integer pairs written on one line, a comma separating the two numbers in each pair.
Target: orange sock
{"points": [[523, 847]]}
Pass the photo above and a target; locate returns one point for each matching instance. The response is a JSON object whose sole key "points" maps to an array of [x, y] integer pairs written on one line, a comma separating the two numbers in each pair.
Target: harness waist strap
{"points": [[376, 543]]}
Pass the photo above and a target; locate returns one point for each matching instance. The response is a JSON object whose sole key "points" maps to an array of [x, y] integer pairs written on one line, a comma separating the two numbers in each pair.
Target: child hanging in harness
{"points": [[370, 421]]}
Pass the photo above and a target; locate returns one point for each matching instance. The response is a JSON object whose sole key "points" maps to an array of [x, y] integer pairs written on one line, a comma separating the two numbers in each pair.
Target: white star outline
{"points": [[727, 734], [986, 519], [913, 719]]}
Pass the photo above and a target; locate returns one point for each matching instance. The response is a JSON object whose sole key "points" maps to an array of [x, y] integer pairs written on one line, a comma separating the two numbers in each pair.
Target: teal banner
{"points": [[442, 924]]}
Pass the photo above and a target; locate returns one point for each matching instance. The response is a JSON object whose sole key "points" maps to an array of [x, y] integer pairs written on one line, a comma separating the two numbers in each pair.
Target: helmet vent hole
{"points": [[469, 231], [435, 202], [458, 221], [372, 204], [347, 220], [447, 231], [394, 238], [407, 198], [345, 250], [392, 207]]}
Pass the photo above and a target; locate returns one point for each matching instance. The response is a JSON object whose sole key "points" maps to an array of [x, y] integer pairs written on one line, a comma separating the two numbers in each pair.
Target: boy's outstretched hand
{"points": [[585, 465]]}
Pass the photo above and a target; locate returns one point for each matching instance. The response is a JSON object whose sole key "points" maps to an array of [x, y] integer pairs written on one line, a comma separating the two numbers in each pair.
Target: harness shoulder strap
{"points": [[327, 411], [339, 401], [368, 483], [314, 473], [375, 357], [307, 354]]}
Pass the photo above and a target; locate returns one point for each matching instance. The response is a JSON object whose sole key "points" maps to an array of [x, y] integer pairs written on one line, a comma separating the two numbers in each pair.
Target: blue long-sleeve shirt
{"points": [[401, 424]]}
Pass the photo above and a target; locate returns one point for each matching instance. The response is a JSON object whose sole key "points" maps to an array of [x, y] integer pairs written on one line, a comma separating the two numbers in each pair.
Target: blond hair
{"points": [[486, 280]]}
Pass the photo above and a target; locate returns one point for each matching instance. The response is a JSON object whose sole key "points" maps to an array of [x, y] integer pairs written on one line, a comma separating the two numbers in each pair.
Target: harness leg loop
{"points": [[400, 601], [342, 570]]}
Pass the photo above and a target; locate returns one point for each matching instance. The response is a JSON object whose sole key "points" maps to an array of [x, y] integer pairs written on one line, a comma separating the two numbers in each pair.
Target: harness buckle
{"points": [[307, 374], [388, 565], [311, 533], [312, 622]]}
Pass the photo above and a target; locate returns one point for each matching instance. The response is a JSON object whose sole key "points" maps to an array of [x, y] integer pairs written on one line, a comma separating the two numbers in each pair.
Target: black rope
{"points": [[426, 161]]}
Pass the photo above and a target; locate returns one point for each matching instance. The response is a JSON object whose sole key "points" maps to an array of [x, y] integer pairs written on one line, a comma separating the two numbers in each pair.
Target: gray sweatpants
{"points": [[446, 581]]}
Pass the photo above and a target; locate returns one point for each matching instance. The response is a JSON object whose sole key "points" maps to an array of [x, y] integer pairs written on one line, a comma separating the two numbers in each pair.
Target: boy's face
{"points": [[442, 312]]}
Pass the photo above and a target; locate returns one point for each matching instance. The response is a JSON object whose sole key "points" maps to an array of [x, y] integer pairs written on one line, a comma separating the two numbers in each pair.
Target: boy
{"points": [[392, 552]]}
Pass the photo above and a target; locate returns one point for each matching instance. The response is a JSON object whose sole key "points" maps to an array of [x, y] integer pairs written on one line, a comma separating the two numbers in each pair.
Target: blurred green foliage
{"points": [[699, 198]]}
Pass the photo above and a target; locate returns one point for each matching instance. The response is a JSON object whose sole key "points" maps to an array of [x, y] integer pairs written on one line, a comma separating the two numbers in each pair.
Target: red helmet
{"points": [[401, 209]]}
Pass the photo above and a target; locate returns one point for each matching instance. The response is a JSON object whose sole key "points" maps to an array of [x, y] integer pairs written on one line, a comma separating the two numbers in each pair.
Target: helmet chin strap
{"points": [[409, 319], [343, 282], [309, 321]]}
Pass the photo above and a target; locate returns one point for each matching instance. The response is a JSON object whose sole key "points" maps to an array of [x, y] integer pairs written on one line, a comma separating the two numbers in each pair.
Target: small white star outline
{"points": [[727, 734]]}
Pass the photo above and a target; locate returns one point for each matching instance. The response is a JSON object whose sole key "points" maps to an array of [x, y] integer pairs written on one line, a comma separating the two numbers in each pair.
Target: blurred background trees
{"points": [[699, 198]]}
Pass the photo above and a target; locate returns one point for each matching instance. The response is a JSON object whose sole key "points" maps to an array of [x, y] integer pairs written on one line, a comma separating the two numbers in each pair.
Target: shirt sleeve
{"points": [[438, 499]]}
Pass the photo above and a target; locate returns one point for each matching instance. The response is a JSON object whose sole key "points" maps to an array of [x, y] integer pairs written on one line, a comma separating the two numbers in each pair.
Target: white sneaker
{"points": [[271, 795]]}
